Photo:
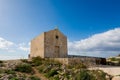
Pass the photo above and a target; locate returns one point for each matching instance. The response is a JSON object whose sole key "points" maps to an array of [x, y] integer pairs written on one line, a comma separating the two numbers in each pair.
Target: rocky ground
{"points": [[112, 70], [45, 69], [8, 72]]}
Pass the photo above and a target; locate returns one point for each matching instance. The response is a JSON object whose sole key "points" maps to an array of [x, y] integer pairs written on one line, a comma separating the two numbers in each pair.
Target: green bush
{"points": [[24, 60], [41, 68], [84, 75], [10, 71], [26, 68], [14, 78], [55, 78], [34, 78], [2, 65], [36, 61], [113, 59], [2, 71], [103, 75], [99, 74], [51, 73], [1, 61]]}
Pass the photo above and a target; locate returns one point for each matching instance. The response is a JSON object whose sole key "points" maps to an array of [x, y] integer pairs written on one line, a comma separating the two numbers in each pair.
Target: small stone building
{"points": [[51, 44]]}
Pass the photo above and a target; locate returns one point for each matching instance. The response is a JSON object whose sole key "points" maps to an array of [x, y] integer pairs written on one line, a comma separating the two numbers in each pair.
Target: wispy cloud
{"points": [[24, 47], [9, 57], [103, 44], [11, 46], [12, 50], [5, 44]]}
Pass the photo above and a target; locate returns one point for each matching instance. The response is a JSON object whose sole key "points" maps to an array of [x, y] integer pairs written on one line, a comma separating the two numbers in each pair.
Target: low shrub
{"points": [[51, 73], [99, 74], [84, 75], [14, 78], [34, 78], [55, 78], [26, 68], [41, 68], [2, 65], [1, 61], [113, 59], [24, 60], [9, 71], [2, 71], [36, 61]]}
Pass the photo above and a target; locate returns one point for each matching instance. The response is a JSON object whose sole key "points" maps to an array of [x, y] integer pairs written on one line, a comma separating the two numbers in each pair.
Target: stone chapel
{"points": [[51, 44]]}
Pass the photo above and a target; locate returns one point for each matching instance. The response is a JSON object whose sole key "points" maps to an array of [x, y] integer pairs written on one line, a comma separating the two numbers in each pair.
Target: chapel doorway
{"points": [[57, 51]]}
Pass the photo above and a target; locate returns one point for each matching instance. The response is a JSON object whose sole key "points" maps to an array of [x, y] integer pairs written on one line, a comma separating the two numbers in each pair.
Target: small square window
{"points": [[57, 37]]}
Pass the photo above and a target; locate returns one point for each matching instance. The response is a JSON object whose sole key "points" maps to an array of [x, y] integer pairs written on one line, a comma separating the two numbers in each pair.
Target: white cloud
{"points": [[102, 44], [4, 44], [8, 57], [12, 50], [24, 47], [12, 47]]}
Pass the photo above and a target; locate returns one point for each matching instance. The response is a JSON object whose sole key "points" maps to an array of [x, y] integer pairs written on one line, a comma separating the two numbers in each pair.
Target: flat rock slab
{"points": [[110, 70], [116, 78]]}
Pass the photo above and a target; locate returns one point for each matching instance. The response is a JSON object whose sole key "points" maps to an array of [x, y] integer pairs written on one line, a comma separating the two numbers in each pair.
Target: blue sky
{"points": [[79, 20]]}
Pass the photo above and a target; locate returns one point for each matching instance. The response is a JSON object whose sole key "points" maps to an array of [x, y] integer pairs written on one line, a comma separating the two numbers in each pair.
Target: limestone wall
{"points": [[37, 46], [55, 44], [86, 61], [61, 60], [89, 61]]}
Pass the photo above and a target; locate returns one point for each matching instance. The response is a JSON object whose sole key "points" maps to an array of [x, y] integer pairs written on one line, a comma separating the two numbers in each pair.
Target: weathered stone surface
{"points": [[51, 44], [37, 46]]}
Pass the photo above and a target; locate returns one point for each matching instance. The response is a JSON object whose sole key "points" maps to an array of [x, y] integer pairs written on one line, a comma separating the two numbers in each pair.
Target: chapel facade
{"points": [[50, 44]]}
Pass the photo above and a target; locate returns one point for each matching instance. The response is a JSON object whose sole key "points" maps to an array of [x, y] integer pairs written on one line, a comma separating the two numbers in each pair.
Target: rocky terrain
{"points": [[46, 69], [8, 71], [114, 60], [114, 71]]}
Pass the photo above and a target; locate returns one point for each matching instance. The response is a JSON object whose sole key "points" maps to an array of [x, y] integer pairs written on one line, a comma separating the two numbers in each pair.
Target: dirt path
{"points": [[41, 76]]}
